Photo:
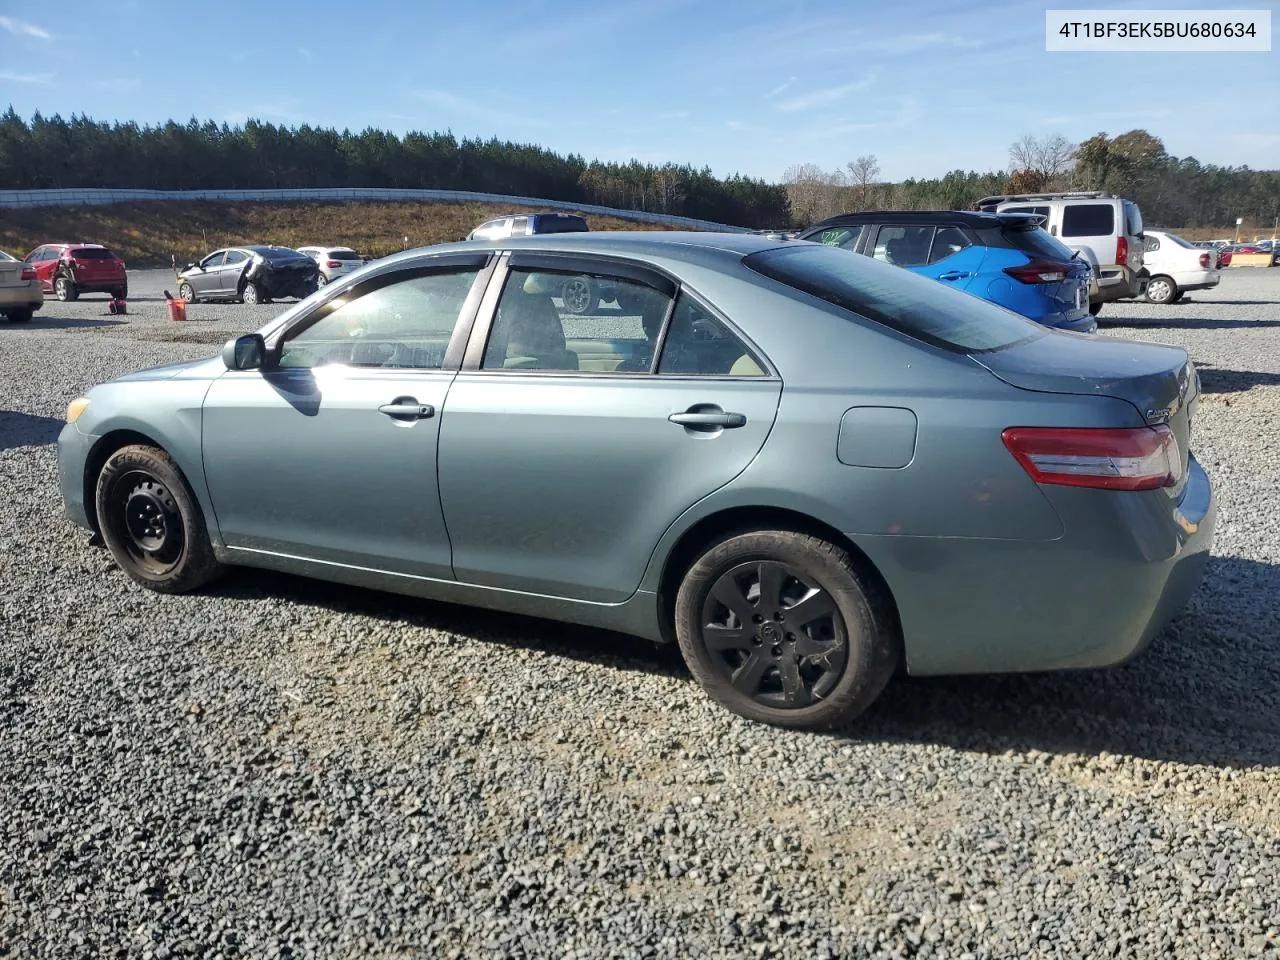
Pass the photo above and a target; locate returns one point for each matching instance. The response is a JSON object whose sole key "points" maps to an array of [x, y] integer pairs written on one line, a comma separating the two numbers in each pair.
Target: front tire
{"points": [[781, 628], [65, 289], [186, 292], [321, 280], [151, 523], [1095, 308], [1162, 290]]}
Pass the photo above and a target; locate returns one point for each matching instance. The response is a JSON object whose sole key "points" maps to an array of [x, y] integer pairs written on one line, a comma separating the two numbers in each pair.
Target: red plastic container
{"points": [[177, 309]]}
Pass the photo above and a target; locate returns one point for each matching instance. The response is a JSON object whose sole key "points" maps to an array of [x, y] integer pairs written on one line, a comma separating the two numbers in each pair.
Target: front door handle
{"points": [[407, 408], [709, 418], [954, 275]]}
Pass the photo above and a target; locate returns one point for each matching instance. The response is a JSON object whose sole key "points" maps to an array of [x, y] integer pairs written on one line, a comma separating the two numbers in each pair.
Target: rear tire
{"points": [[252, 294], [65, 289], [1162, 290], [321, 280], [1095, 308], [151, 523], [20, 316], [781, 628]]}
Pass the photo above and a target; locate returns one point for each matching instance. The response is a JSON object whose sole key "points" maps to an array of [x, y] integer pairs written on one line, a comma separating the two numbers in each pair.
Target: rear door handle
{"points": [[407, 408], [709, 418], [954, 275]]}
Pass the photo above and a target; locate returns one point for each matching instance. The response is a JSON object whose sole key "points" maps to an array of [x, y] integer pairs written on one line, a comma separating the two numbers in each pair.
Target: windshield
{"points": [[917, 306]]}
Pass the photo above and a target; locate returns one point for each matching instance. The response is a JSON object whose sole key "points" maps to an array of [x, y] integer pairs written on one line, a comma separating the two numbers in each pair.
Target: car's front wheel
{"points": [[186, 292], [780, 627], [151, 523], [1162, 290], [1095, 308]]}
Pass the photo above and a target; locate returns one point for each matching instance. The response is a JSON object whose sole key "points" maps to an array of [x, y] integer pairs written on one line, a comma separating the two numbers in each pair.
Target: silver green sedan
{"points": [[802, 467]]}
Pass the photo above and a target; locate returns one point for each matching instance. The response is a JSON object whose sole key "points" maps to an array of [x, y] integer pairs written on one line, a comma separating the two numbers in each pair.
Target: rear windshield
{"points": [[561, 225], [1088, 220], [1182, 243], [92, 253], [1132, 219], [343, 255], [1038, 242], [915, 305], [276, 253], [6, 257]]}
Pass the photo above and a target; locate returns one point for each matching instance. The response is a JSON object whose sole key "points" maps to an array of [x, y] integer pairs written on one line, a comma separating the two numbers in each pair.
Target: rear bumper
{"points": [[1093, 598], [1116, 283], [1083, 324], [1198, 279], [27, 295]]}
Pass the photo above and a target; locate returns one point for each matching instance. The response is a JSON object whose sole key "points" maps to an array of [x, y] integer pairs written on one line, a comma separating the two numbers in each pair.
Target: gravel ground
{"points": [[282, 768]]}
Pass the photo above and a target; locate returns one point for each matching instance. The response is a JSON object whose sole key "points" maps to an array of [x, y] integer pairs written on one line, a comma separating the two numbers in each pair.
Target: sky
{"points": [[751, 86]]}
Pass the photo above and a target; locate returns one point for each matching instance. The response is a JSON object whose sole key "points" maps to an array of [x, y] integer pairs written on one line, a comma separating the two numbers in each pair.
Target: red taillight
{"points": [[1204, 261], [1137, 458], [333, 264], [28, 273], [1122, 250], [1040, 271], [1224, 259]]}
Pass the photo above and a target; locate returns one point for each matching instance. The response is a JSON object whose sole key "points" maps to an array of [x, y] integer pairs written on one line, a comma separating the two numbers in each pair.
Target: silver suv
{"points": [[1104, 229]]}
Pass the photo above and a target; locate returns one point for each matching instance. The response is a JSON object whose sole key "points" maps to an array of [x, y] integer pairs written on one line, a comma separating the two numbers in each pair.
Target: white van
{"points": [[1104, 229]]}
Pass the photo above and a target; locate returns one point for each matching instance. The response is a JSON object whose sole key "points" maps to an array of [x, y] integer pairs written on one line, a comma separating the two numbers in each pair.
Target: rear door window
{"points": [[903, 245], [946, 242], [1088, 220], [911, 304]]}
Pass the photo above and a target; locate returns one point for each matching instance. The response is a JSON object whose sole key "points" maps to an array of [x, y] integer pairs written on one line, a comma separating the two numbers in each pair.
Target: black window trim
{"points": [[485, 263], [472, 362]]}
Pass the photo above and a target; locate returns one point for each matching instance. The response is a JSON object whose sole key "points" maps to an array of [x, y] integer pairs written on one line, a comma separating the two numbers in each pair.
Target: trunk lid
{"points": [[1159, 382], [11, 273]]}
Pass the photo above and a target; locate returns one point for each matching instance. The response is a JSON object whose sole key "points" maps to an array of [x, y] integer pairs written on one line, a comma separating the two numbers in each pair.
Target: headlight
{"points": [[76, 407]]}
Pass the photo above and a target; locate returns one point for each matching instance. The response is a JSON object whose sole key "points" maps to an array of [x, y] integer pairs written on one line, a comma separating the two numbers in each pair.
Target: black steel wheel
{"points": [[780, 627], [151, 523]]}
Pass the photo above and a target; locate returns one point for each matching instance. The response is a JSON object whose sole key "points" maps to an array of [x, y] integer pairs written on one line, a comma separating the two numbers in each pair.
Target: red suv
{"points": [[69, 269]]}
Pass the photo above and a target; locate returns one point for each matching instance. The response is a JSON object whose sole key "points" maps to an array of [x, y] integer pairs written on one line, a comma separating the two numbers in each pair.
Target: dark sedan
{"points": [[801, 465]]}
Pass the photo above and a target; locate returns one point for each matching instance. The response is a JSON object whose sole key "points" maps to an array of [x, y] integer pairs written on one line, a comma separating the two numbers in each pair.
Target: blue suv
{"points": [[1005, 258]]}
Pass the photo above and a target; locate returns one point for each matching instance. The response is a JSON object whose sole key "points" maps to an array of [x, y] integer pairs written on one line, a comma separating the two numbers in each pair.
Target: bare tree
{"points": [[1049, 160], [864, 174], [812, 193]]}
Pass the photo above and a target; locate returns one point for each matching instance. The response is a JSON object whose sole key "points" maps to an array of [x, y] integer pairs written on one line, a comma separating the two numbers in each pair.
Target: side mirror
{"points": [[245, 353], [189, 266]]}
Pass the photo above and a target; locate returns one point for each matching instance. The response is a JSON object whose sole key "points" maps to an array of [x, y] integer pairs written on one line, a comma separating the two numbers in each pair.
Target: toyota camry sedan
{"points": [[802, 467]]}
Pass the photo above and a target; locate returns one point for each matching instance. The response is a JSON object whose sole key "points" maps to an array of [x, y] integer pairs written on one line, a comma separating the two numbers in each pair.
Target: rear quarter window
{"points": [[914, 305], [1088, 220]]}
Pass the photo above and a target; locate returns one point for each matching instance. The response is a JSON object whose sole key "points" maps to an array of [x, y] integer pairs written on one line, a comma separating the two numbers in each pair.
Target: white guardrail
{"points": [[71, 196]]}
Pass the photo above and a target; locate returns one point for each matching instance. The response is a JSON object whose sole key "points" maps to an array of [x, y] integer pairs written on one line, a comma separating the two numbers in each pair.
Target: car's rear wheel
{"points": [[151, 523], [780, 627], [252, 294], [1095, 308], [321, 280], [1162, 289], [186, 293], [20, 316], [65, 289]]}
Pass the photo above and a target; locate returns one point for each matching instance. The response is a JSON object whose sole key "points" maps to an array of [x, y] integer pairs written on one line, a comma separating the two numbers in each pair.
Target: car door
{"points": [[206, 281], [43, 259], [567, 449], [230, 272], [953, 259], [329, 452]]}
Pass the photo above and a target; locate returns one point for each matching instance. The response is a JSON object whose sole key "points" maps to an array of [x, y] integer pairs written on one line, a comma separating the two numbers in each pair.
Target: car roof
{"points": [[678, 245], [967, 218]]}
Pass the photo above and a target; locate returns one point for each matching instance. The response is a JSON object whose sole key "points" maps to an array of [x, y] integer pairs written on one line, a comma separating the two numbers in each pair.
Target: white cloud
{"points": [[779, 88], [911, 42], [25, 77], [823, 97], [21, 28], [473, 109]]}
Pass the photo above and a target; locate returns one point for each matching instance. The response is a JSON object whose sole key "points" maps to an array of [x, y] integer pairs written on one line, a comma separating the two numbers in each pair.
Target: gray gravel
{"points": [[282, 768]]}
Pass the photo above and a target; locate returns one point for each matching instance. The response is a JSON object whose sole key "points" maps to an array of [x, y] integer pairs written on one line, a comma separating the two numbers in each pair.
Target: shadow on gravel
{"points": [[57, 323], [573, 642], [1206, 691], [1190, 323], [1217, 380], [26, 430]]}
